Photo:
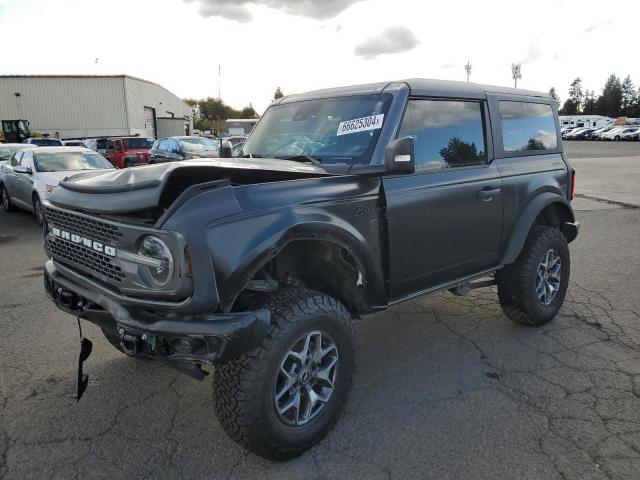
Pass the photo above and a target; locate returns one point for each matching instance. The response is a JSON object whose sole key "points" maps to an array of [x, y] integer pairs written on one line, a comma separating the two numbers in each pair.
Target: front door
{"points": [[24, 181], [445, 220]]}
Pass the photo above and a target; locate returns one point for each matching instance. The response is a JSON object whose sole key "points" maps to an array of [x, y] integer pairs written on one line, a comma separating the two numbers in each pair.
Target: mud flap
{"points": [[85, 350]]}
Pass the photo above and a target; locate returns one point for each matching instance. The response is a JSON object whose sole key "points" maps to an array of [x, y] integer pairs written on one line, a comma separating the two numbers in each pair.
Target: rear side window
{"points": [[527, 127], [15, 161], [450, 133]]}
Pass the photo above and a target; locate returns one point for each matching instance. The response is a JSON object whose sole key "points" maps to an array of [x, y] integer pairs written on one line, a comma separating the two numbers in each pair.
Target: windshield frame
{"points": [[186, 143], [127, 146], [364, 158]]}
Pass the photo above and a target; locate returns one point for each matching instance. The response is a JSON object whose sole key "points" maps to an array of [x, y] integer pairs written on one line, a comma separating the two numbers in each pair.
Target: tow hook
{"points": [[129, 343], [133, 344]]}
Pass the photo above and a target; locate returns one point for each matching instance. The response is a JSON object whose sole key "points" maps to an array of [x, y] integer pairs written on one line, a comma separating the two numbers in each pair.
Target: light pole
{"points": [[516, 73], [467, 69]]}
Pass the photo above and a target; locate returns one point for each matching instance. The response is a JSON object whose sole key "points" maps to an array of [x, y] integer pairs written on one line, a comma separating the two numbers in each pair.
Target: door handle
{"points": [[487, 195]]}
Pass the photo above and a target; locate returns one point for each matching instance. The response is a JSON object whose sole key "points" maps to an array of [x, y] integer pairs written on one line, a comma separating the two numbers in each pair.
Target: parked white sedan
{"points": [[31, 175], [617, 133]]}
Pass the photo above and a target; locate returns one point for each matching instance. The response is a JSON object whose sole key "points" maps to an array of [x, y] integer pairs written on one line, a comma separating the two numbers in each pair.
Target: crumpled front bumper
{"points": [[183, 342]]}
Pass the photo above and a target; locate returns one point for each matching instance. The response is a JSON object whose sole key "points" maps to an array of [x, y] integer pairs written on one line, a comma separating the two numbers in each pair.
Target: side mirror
{"points": [[226, 150], [399, 156], [22, 169]]}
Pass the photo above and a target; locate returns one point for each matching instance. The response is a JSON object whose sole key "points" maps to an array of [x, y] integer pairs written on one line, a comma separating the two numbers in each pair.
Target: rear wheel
{"points": [[532, 289], [6, 200], [283, 397]]}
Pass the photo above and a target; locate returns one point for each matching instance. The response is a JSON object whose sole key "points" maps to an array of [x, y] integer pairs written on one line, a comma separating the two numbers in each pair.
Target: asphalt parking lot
{"points": [[446, 387]]}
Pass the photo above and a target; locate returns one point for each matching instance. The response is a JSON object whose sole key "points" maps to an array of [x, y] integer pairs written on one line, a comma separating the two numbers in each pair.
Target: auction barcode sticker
{"points": [[372, 122]]}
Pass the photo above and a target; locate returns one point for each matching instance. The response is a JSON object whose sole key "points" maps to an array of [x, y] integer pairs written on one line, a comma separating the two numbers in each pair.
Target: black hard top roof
{"points": [[419, 87]]}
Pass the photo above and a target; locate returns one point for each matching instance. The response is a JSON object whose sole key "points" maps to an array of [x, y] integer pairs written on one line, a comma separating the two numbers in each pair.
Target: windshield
{"points": [[138, 143], [58, 162], [5, 153], [331, 130], [198, 144], [46, 142]]}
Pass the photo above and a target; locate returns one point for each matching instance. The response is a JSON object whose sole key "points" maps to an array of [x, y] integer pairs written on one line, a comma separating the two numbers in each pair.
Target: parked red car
{"points": [[127, 152]]}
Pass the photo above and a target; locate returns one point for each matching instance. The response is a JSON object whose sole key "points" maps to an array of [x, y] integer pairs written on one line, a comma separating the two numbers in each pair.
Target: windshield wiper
{"points": [[302, 158]]}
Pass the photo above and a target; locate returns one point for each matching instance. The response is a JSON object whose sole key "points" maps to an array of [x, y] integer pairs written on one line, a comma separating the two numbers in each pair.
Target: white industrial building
{"points": [[86, 106]]}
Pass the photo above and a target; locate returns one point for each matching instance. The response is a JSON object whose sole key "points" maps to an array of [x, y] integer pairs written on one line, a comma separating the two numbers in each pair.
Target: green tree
{"points": [[458, 152], [553, 94], [576, 95], [569, 108], [249, 112], [629, 98], [590, 103], [610, 102], [195, 106], [278, 94]]}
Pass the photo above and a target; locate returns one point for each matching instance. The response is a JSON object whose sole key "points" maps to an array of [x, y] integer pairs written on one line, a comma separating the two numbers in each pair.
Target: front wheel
{"points": [[283, 397], [6, 200], [37, 210], [532, 289]]}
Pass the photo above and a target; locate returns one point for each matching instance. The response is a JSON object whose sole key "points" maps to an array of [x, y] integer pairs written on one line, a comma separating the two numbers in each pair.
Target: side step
{"points": [[465, 288]]}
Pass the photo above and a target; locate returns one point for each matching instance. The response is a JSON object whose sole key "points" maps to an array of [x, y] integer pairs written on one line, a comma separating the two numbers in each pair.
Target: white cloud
{"points": [[238, 10], [390, 40], [597, 25]]}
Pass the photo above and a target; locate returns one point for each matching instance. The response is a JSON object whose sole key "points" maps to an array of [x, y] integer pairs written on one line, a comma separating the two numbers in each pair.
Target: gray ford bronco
{"points": [[342, 203]]}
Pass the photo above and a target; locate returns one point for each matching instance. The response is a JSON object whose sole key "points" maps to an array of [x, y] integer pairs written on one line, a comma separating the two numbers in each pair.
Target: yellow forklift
{"points": [[14, 131]]}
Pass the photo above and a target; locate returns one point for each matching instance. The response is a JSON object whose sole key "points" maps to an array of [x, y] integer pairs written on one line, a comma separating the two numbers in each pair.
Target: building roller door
{"points": [[150, 122]]}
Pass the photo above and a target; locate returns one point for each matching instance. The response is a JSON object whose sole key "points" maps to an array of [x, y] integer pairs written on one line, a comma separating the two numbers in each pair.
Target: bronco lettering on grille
{"points": [[87, 242]]}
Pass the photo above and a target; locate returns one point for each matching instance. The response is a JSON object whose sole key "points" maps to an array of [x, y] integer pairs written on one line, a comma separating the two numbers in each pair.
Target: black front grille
{"points": [[83, 226], [99, 265]]}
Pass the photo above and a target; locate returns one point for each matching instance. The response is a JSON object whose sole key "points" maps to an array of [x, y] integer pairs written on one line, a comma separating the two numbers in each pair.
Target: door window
{"points": [[527, 127], [163, 145], [109, 145], [27, 159], [448, 133]]}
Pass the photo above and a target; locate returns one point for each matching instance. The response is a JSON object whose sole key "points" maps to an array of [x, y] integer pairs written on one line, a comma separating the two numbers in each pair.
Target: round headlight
{"points": [[156, 249]]}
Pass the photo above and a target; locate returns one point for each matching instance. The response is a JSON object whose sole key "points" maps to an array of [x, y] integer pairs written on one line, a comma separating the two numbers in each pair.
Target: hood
{"points": [[158, 185], [53, 178]]}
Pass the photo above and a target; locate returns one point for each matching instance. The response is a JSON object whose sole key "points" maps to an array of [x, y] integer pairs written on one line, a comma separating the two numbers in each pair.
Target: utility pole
{"points": [[219, 96], [467, 68], [516, 73]]}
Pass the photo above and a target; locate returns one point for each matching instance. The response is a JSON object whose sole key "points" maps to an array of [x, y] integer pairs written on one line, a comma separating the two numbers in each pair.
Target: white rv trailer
{"points": [[585, 121]]}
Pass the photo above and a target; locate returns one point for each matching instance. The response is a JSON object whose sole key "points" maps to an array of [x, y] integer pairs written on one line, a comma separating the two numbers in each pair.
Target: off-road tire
{"points": [[6, 201], [517, 281], [244, 387]]}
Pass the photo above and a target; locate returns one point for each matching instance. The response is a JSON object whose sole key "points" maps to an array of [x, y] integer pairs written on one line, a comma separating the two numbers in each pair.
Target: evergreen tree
{"points": [[590, 103], [610, 102], [576, 95], [278, 94], [553, 94], [628, 97], [569, 108]]}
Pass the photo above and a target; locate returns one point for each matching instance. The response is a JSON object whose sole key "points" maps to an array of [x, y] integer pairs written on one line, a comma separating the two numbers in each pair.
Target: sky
{"points": [[302, 45]]}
